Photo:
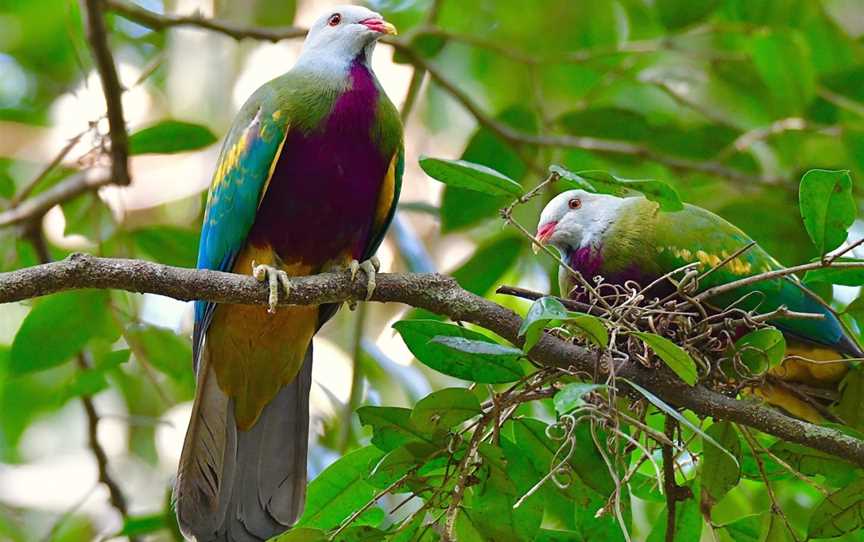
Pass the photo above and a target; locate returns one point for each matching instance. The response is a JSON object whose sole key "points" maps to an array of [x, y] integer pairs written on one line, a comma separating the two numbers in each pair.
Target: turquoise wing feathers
{"points": [[697, 235], [245, 164]]}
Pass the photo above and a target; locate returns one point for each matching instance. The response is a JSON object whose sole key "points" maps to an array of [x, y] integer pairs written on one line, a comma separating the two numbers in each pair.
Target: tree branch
{"points": [[98, 38], [433, 292], [34, 208], [158, 21]]}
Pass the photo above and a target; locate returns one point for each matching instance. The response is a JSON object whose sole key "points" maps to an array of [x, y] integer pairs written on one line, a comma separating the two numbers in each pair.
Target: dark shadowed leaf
{"points": [[719, 472], [460, 352], [839, 513], [340, 490], [604, 182], [827, 207], [688, 523], [48, 337], [444, 409], [571, 396], [471, 176], [673, 355], [170, 136], [680, 13]]}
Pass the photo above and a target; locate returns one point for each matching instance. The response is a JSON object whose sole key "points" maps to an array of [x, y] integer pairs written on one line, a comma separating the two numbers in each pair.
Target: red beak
{"points": [[544, 233], [379, 25]]}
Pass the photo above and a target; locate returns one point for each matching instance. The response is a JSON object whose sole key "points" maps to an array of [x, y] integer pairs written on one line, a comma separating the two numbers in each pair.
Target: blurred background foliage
{"points": [[728, 100]]}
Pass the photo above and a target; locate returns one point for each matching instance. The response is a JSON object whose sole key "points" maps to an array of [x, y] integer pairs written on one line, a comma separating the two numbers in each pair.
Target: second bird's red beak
{"points": [[379, 25], [544, 233]]}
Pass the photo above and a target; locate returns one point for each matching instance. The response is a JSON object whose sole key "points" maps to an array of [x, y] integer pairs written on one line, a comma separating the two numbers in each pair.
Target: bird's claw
{"points": [[274, 278], [370, 267]]}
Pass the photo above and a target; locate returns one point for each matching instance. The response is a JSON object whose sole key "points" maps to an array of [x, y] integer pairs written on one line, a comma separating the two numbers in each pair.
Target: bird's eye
{"points": [[575, 203], [334, 19]]}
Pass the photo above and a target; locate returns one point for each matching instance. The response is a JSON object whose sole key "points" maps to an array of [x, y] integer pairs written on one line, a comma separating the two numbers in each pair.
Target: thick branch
{"points": [[98, 38], [437, 293], [157, 21]]}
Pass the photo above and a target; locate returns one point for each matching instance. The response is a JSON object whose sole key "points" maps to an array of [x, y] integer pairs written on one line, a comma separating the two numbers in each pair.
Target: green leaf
{"points": [[604, 182], [164, 350], [90, 216], [846, 276], [398, 462], [462, 208], [812, 462], [688, 523], [58, 327], [591, 327], [444, 409], [471, 176], [761, 349], [719, 472], [784, 63], [827, 207], [457, 352], [746, 529], [673, 355], [542, 311], [139, 525], [680, 13], [839, 513], [301, 534], [340, 490], [91, 381], [391, 426], [657, 402], [170, 136], [570, 397], [168, 244]]}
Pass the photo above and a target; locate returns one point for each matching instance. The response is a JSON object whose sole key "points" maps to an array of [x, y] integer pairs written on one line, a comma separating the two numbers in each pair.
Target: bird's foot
{"points": [[370, 267], [274, 278]]}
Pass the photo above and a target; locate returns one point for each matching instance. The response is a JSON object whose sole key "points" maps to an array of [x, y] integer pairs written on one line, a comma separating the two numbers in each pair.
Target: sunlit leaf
{"points": [[761, 349], [542, 311], [827, 207], [140, 525], [673, 355], [170, 136], [340, 490], [49, 335], [604, 182], [571, 396], [391, 426], [471, 176], [783, 60]]}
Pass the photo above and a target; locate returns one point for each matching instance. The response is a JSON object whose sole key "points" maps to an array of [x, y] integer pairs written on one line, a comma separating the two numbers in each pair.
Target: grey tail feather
{"points": [[251, 485]]}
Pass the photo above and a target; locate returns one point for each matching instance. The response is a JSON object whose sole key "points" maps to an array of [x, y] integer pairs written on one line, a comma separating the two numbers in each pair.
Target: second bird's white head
{"points": [[577, 218]]}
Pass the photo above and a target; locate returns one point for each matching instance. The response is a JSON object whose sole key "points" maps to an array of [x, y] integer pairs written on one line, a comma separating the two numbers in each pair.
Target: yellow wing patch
{"points": [[385, 198]]}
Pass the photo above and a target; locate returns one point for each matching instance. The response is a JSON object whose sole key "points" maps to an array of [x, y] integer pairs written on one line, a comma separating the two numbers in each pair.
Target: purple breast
{"points": [[322, 197]]}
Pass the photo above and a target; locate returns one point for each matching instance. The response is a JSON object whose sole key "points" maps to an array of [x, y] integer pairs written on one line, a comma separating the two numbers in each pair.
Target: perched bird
{"points": [[631, 239], [307, 181]]}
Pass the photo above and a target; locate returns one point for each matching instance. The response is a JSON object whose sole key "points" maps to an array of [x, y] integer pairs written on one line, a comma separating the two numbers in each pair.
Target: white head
{"points": [[341, 35], [576, 219]]}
